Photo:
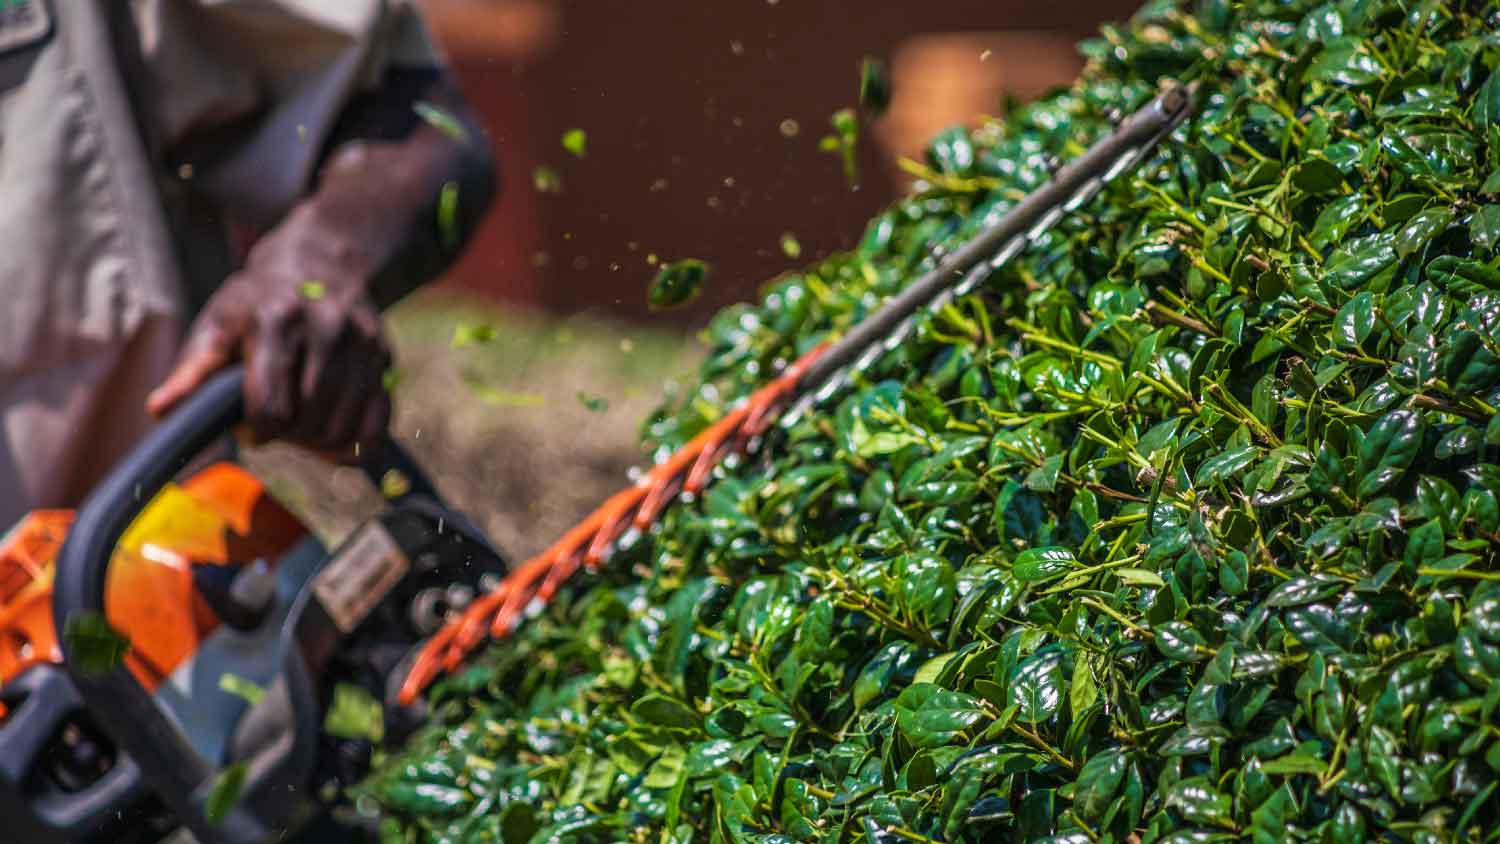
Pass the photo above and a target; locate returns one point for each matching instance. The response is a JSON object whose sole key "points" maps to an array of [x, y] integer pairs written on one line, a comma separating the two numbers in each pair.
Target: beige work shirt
{"points": [[94, 296]]}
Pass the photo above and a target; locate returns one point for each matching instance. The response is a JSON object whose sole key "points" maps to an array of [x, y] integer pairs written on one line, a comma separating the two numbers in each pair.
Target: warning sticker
{"points": [[23, 23], [356, 580]]}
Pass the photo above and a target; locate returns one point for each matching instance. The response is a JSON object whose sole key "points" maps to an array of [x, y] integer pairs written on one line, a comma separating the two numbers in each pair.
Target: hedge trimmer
{"points": [[817, 376], [180, 653]]}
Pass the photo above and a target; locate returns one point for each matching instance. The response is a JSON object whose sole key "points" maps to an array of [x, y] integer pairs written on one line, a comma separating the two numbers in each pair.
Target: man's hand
{"points": [[303, 314], [299, 317]]}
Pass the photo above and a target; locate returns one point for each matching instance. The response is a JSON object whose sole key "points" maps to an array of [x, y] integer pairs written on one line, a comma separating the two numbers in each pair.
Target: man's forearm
{"points": [[394, 202], [402, 207]]}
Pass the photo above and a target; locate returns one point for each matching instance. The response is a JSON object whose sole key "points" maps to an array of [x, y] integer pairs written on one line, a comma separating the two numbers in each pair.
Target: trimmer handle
{"points": [[122, 707]]}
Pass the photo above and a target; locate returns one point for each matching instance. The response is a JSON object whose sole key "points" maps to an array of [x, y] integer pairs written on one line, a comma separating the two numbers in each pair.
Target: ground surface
{"points": [[499, 421]]}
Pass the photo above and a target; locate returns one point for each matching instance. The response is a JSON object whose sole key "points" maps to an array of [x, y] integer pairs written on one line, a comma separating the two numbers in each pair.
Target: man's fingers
{"points": [[361, 364], [376, 421], [271, 368], [314, 370], [357, 426], [323, 375], [361, 389], [209, 351]]}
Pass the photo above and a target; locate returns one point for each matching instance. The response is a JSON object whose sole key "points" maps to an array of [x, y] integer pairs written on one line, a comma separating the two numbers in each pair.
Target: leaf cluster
{"points": [[1181, 529]]}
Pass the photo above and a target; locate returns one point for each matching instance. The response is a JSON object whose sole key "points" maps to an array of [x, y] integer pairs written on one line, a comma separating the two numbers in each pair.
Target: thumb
{"points": [[207, 352]]}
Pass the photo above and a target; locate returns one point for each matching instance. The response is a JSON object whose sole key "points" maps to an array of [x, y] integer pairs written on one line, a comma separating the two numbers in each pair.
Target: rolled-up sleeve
{"points": [[266, 81]]}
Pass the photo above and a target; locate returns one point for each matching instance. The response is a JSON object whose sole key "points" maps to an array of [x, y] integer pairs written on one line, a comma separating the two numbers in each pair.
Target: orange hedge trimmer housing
{"points": [[172, 653], [220, 517]]}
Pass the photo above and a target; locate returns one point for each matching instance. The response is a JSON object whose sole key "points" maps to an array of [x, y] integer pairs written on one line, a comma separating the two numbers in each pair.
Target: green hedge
{"points": [[1181, 530]]}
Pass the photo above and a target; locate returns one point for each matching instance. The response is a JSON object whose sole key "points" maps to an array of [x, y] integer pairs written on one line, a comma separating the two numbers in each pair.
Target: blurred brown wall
{"points": [[684, 103]]}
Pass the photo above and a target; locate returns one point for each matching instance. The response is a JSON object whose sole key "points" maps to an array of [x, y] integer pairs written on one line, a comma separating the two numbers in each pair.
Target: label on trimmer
{"points": [[23, 23], [355, 581]]}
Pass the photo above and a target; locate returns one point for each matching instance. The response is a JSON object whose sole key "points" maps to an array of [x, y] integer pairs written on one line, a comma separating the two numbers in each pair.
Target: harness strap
{"points": [[25, 29]]}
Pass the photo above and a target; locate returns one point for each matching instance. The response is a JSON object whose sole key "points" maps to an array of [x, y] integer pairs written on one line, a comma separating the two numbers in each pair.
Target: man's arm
{"points": [[396, 198]]}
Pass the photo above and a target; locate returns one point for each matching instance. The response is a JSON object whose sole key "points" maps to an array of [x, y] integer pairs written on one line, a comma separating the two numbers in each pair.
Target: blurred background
{"points": [[702, 120]]}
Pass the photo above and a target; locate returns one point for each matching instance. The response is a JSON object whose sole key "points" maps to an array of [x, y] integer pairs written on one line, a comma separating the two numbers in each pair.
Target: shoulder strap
{"points": [[125, 40], [200, 239], [25, 30]]}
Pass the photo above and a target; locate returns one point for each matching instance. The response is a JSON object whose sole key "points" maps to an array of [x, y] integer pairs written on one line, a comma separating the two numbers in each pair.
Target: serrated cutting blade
{"points": [[962, 270]]}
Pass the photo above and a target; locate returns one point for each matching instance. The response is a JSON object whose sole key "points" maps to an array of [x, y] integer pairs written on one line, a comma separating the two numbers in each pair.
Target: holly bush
{"points": [[1180, 529]]}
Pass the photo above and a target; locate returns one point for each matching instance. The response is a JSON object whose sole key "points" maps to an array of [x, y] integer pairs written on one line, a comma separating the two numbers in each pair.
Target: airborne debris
{"points": [[844, 142], [225, 794], [874, 86], [93, 644], [394, 484], [790, 246], [354, 714], [443, 120], [677, 283], [448, 229], [546, 180], [593, 403], [576, 141], [391, 379], [473, 334], [241, 688]]}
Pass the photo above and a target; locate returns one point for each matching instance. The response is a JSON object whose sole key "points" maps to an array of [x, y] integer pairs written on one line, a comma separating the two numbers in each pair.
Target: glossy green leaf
{"points": [[1487, 102], [1304, 590], [1083, 689], [1038, 686], [1293, 764], [1200, 803], [1139, 577], [1356, 319], [1388, 449], [93, 644], [1035, 565], [677, 284], [1099, 782], [1346, 62], [1484, 226], [1420, 229], [1337, 218], [1179, 642], [225, 794], [1316, 175], [1362, 260], [930, 716], [354, 714], [874, 86], [664, 711], [1226, 465]]}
